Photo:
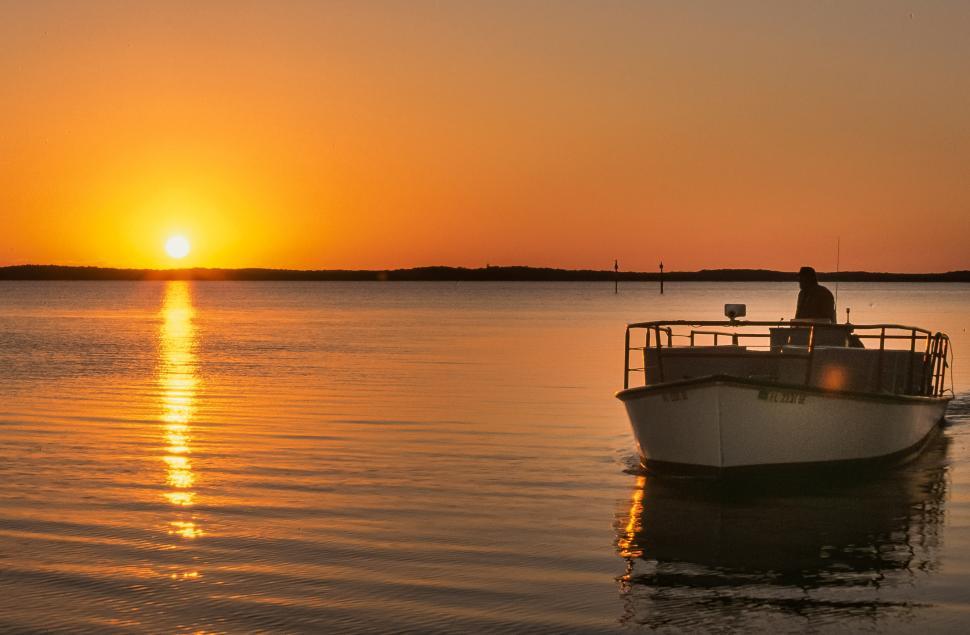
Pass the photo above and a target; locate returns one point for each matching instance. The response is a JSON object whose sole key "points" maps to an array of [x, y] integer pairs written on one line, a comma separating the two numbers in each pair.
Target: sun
{"points": [[177, 247]]}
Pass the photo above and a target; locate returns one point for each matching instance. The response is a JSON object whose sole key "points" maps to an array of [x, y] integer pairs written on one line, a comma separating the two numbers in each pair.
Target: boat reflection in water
{"points": [[719, 554], [178, 383]]}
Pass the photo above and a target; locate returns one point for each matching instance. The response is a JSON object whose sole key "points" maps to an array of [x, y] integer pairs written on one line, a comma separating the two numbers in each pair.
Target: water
{"points": [[440, 457]]}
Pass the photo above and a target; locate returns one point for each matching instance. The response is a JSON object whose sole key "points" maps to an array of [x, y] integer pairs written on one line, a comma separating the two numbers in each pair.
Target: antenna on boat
{"points": [[838, 251], [661, 276], [616, 276]]}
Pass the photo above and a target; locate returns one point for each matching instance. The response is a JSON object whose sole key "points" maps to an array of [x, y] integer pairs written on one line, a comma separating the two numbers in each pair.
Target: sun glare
{"points": [[177, 247]]}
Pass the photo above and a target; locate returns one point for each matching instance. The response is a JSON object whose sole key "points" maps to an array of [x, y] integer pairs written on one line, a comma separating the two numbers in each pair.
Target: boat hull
{"points": [[723, 423]]}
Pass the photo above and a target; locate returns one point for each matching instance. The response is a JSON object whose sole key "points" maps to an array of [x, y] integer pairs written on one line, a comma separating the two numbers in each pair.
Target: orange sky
{"points": [[379, 135]]}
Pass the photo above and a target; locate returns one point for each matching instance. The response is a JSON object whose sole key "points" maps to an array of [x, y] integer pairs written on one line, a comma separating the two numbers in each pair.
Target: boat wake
{"points": [[958, 411]]}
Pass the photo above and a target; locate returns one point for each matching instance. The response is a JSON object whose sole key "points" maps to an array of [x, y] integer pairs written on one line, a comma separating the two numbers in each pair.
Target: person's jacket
{"points": [[815, 303]]}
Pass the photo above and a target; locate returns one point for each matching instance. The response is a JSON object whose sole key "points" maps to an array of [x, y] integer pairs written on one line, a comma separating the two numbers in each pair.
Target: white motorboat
{"points": [[741, 394]]}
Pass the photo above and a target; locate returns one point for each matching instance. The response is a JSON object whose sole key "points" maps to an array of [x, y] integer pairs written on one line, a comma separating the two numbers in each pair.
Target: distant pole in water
{"points": [[661, 277], [616, 276]]}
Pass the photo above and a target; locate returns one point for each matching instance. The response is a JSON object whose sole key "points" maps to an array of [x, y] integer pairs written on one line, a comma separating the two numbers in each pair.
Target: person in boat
{"points": [[815, 302]]}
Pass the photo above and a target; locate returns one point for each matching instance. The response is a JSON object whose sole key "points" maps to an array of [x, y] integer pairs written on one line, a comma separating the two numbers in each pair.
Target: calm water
{"points": [[326, 457]]}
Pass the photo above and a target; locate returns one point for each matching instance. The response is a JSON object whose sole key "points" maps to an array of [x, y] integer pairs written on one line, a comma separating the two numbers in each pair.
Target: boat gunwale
{"points": [[636, 392], [782, 323]]}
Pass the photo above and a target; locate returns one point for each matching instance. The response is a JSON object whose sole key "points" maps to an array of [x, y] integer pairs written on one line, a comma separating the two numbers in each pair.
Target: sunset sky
{"points": [[383, 134]]}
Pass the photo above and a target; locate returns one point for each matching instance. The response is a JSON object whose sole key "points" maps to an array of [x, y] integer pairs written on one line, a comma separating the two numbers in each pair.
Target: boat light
{"points": [[734, 311]]}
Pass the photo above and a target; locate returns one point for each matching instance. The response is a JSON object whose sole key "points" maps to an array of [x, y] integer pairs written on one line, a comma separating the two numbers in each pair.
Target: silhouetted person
{"points": [[815, 302]]}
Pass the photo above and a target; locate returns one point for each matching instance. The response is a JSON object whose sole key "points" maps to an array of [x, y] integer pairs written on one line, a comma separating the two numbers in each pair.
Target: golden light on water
{"points": [[181, 499], [627, 543], [185, 529], [178, 383]]}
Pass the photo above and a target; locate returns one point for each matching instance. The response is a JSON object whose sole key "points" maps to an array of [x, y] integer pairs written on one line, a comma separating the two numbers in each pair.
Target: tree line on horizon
{"points": [[459, 274]]}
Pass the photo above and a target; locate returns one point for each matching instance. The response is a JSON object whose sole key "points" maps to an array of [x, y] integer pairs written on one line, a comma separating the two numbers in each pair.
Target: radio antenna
{"points": [[838, 253]]}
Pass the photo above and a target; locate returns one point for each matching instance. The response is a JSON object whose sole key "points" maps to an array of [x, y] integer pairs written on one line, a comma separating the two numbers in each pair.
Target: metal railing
{"points": [[660, 337]]}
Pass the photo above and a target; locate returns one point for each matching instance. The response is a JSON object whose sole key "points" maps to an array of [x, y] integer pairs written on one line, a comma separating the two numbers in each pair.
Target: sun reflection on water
{"points": [[178, 382]]}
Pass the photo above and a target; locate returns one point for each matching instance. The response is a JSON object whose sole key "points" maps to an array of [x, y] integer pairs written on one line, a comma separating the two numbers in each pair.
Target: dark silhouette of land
{"points": [[460, 274]]}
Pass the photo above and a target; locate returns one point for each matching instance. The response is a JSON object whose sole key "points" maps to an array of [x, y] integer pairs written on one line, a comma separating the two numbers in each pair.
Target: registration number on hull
{"points": [[674, 395], [782, 396]]}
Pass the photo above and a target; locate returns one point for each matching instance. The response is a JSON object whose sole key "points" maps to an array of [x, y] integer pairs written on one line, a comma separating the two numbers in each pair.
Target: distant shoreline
{"points": [[459, 274]]}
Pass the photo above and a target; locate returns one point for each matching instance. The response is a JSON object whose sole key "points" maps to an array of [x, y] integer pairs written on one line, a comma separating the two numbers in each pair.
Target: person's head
{"points": [[807, 278]]}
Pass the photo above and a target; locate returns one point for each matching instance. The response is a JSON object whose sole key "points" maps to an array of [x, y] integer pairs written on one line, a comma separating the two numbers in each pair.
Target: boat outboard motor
{"points": [[734, 311]]}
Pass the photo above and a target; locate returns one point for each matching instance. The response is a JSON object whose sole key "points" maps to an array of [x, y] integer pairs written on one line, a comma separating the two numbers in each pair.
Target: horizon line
{"points": [[452, 273], [461, 267]]}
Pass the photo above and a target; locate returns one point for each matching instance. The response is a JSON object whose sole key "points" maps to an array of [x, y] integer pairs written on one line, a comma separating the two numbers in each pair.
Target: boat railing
{"points": [[662, 338]]}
